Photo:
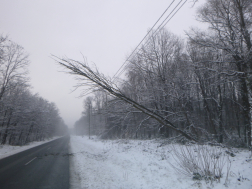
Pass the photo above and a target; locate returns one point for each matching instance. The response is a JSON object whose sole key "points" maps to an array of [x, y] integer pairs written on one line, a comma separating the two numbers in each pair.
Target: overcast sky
{"points": [[104, 31]]}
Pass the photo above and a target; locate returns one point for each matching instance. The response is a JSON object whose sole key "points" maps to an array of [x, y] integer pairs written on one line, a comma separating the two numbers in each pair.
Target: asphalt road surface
{"points": [[44, 166]]}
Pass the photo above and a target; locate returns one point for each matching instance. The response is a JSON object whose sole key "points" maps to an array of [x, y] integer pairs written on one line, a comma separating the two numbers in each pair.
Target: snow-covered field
{"points": [[7, 150], [115, 164]]}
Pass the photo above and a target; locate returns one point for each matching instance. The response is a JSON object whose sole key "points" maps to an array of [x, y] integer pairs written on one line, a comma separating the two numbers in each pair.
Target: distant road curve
{"points": [[42, 167]]}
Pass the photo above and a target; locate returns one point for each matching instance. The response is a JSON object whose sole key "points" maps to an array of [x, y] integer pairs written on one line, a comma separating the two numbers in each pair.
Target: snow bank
{"points": [[8, 150], [139, 164]]}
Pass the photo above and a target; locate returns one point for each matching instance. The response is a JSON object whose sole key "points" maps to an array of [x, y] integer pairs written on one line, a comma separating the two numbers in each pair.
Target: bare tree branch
{"points": [[85, 74]]}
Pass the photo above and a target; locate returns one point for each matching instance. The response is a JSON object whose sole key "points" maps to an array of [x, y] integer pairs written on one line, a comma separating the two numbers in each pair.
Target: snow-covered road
{"points": [[139, 164]]}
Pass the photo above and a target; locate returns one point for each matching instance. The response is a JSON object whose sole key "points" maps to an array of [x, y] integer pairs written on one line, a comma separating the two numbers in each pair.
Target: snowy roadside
{"points": [[8, 150], [141, 164]]}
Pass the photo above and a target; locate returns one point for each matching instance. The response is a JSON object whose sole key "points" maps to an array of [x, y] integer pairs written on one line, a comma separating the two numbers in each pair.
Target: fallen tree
{"points": [[95, 80]]}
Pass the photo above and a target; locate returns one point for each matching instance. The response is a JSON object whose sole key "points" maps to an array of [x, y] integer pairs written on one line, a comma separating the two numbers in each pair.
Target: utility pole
{"points": [[89, 119]]}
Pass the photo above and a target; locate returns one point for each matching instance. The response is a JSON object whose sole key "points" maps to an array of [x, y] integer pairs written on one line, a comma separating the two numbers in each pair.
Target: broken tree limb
{"points": [[85, 74]]}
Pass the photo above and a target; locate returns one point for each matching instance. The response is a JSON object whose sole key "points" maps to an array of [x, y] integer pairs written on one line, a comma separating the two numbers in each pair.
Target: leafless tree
{"points": [[230, 24], [86, 76], [24, 117], [13, 65]]}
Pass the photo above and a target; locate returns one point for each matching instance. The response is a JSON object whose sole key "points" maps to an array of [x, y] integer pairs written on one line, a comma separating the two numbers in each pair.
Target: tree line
{"points": [[24, 117], [199, 87]]}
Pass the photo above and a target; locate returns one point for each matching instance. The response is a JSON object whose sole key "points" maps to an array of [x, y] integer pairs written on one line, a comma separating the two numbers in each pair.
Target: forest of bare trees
{"points": [[199, 87], [24, 117]]}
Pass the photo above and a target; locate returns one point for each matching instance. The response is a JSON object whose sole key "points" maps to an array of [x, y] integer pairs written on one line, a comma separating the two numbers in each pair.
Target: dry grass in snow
{"points": [[148, 164]]}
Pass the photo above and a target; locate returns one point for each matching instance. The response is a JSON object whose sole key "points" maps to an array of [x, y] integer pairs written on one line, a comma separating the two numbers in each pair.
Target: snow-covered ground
{"points": [[7, 150], [119, 164]]}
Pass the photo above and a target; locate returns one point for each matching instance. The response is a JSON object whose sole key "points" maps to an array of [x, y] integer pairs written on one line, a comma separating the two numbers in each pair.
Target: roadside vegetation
{"points": [[192, 90], [198, 87], [24, 117]]}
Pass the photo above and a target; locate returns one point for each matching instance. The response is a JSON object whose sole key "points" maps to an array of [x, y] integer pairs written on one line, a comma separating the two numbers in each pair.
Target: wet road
{"points": [[41, 167]]}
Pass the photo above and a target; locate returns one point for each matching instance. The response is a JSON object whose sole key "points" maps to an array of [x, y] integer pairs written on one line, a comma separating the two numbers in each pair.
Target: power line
{"points": [[155, 33], [144, 38], [175, 13]]}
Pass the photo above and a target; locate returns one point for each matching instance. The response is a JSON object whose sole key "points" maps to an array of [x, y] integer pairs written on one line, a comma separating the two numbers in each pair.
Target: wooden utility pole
{"points": [[89, 107], [89, 119]]}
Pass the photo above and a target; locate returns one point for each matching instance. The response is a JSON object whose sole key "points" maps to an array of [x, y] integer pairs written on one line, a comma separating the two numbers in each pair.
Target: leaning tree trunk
{"points": [[85, 73]]}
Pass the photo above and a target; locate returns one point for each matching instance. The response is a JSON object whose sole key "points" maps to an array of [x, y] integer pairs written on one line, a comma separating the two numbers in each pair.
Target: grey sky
{"points": [[104, 31]]}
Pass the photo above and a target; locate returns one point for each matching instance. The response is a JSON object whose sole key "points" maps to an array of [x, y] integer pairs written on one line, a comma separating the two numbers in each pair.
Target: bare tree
{"points": [[85, 75], [159, 73], [24, 117], [13, 65], [230, 23]]}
